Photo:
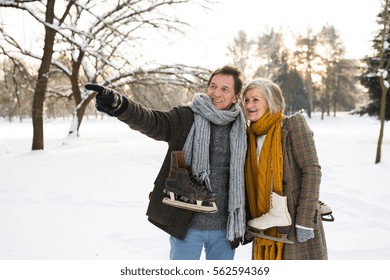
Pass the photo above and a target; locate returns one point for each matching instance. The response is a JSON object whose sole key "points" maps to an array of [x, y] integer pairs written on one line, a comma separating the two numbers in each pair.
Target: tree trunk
{"points": [[310, 94], [79, 115], [382, 118], [41, 85], [335, 94], [81, 102], [384, 88]]}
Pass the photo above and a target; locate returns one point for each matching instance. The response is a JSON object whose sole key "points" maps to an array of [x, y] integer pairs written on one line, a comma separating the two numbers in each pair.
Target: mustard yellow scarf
{"points": [[264, 177]]}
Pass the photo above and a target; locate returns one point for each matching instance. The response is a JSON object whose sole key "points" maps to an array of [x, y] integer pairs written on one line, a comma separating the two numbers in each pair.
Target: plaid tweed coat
{"points": [[301, 185]]}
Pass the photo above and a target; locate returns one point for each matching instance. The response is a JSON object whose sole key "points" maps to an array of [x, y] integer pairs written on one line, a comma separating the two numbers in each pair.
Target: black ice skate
{"points": [[184, 191]]}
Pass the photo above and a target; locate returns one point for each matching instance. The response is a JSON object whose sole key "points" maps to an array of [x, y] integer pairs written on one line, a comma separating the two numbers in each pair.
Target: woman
{"points": [[281, 167]]}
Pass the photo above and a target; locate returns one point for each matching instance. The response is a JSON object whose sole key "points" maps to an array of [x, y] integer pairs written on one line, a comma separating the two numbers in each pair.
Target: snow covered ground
{"points": [[86, 198]]}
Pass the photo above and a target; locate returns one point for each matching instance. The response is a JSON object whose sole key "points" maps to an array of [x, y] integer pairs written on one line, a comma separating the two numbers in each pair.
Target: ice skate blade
{"points": [[327, 217], [260, 233], [189, 206]]}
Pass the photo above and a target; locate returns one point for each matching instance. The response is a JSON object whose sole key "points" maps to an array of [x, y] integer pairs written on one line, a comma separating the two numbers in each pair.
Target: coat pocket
{"points": [[164, 214]]}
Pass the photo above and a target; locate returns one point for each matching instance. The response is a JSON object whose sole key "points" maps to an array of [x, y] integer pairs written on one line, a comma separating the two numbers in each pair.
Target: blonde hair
{"points": [[270, 91]]}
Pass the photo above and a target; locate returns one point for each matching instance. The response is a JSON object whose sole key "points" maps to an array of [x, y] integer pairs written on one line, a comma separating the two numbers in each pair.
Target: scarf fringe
{"points": [[236, 224]]}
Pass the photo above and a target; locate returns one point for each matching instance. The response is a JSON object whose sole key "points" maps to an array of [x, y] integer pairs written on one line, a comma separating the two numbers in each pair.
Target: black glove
{"points": [[108, 100], [248, 238]]}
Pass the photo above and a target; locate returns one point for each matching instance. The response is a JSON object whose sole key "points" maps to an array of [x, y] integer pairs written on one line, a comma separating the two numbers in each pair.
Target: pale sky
{"points": [[212, 31], [355, 20]]}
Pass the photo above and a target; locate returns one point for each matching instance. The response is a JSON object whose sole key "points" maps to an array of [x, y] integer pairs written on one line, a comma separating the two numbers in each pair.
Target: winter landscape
{"points": [[76, 210], [86, 198]]}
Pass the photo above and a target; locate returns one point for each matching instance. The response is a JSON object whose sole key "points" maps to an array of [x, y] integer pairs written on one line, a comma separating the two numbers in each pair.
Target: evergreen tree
{"points": [[292, 86], [306, 57], [374, 71]]}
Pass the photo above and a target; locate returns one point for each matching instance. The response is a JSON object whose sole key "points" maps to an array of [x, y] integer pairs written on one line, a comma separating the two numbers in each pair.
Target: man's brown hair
{"points": [[232, 71]]}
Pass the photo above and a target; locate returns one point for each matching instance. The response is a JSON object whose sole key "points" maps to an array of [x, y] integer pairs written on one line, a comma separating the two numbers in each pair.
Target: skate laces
{"points": [[191, 178], [324, 208], [325, 211]]}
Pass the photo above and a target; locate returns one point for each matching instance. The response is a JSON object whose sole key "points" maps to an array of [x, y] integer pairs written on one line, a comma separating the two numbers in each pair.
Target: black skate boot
{"points": [[184, 190]]}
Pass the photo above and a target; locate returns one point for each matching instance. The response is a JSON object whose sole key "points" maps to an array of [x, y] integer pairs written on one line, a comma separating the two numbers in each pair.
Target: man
{"points": [[211, 133]]}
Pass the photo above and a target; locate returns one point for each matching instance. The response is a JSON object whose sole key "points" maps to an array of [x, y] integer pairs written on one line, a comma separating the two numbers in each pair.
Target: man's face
{"points": [[221, 91]]}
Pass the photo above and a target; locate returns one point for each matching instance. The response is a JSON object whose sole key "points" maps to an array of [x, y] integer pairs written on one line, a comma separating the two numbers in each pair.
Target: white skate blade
{"points": [[327, 217], [188, 206], [260, 233]]}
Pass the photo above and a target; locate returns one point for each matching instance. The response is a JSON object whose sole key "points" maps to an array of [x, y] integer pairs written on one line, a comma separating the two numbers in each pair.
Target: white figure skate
{"points": [[277, 216], [184, 191], [325, 212]]}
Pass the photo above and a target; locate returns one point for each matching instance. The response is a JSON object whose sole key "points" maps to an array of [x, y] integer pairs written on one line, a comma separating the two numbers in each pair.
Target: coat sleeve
{"points": [[172, 127], [305, 155], [156, 124]]}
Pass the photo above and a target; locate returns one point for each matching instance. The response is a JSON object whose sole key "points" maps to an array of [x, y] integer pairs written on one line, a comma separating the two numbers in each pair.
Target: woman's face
{"points": [[255, 104]]}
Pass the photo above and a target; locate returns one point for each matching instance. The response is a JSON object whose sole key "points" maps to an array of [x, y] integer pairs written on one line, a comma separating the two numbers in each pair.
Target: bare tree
{"points": [[99, 52], [93, 40], [331, 51], [271, 51], [42, 78], [15, 88], [240, 51]]}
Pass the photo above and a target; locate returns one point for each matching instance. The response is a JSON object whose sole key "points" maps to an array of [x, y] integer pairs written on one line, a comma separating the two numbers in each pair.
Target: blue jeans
{"points": [[217, 246]]}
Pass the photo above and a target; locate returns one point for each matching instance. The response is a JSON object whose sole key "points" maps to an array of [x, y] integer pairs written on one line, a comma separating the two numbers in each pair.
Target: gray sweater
{"points": [[219, 178]]}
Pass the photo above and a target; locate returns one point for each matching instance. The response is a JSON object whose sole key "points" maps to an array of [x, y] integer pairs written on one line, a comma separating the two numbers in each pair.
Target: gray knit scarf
{"points": [[196, 152]]}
